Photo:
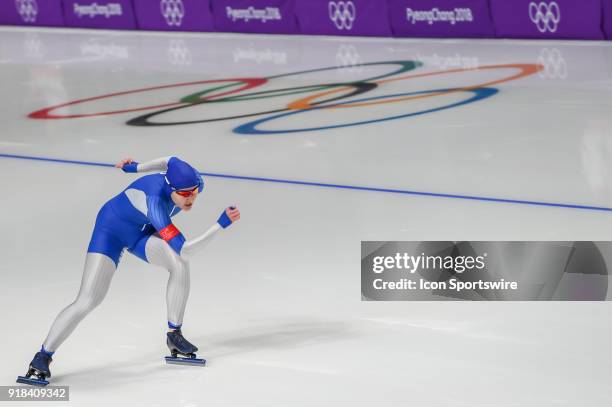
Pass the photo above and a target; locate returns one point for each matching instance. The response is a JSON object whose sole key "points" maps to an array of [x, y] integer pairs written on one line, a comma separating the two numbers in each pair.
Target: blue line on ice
{"points": [[339, 186]]}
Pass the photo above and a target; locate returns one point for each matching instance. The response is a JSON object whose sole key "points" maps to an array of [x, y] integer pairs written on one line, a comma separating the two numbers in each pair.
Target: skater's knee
{"points": [[179, 267], [176, 264], [82, 308], [85, 304]]}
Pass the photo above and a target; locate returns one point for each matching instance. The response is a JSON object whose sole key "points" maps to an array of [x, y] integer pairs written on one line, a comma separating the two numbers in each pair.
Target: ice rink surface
{"points": [[406, 140]]}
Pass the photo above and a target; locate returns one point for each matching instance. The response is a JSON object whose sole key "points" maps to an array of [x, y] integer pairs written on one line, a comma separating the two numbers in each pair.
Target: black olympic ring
{"points": [[359, 88], [194, 99]]}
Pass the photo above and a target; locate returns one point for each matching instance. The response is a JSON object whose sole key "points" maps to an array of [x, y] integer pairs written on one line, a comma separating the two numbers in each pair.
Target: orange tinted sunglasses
{"points": [[188, 193]]}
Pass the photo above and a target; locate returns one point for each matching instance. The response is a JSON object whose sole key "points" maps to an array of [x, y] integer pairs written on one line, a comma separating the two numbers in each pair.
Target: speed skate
{"points": [[181, 350], [38, 371], [176, 360]]}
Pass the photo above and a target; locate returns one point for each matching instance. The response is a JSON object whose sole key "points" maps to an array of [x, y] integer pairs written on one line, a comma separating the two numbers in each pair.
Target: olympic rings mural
{"points": [[328, 96]]}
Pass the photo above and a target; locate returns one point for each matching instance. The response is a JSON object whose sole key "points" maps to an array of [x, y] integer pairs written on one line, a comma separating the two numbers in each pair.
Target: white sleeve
{"points": [[195, 245], [159, 164]]}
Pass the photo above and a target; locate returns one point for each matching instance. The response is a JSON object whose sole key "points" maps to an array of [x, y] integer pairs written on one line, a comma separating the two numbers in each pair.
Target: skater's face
{"points": [[185, 202]]}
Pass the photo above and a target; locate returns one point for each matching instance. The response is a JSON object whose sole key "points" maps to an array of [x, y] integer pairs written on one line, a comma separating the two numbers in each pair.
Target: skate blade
{"points": [[185, 361], [32, 381]]}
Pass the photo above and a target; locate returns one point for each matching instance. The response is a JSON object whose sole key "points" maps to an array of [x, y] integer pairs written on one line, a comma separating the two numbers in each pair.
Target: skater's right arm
{"points": [[129, 165]]}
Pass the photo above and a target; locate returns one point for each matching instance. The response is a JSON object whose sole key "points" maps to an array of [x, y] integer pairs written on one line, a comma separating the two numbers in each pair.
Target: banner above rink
{"points": [[174, 15], [441, 18], [607, 18], [548, 19], [485, 271], [31, 12], [343, 17], [255, 16], [107, 14]]}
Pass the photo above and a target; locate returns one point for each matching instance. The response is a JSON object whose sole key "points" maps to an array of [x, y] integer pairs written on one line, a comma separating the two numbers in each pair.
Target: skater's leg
{"points": [[97, 275], [158, 252]]}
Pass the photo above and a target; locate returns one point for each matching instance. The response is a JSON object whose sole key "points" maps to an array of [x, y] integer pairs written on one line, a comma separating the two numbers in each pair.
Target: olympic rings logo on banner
{"points": [[173, 11], [546, 16], [27, 9], [342, 14], [327, 96]]}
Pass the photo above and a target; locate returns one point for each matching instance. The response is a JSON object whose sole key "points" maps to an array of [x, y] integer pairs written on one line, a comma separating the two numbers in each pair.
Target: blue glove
{"points": [[224, 220], [131, 167]]}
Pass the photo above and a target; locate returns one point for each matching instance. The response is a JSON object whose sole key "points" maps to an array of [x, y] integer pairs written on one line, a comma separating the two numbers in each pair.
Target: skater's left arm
{"points": [[167, 231], [228, 217]]}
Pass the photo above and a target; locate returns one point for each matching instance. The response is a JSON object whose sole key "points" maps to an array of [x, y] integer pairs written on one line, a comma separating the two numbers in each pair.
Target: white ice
{"points": [[275, 305]]}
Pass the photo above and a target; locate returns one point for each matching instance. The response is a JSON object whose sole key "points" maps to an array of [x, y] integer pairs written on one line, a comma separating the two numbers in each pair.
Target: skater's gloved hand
{"points": [[229, 216], [127, 165]]}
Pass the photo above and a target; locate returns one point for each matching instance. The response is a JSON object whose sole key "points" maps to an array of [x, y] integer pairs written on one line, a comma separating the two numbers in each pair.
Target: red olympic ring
{"points": [[45, 113], [300, 104]]}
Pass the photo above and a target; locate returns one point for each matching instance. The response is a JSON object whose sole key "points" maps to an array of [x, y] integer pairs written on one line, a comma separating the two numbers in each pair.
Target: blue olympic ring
{"points": [[250, 128]]}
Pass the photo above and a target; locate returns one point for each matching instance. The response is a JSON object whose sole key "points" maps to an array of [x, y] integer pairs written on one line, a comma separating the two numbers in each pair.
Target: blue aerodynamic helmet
{"points": [[182, 176]]}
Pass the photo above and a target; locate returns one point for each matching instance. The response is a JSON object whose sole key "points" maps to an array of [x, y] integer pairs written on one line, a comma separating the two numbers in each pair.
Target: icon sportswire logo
{"points": [[342, 14], [27, 9], [546, 16], [173, 11]]}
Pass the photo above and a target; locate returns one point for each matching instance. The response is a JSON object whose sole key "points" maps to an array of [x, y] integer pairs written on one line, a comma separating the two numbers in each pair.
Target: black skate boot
{"points": [[39, 367], [178, 345]]}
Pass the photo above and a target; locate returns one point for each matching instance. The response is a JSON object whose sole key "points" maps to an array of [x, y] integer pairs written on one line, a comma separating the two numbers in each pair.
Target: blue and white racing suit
{"points": [[138, 219]]}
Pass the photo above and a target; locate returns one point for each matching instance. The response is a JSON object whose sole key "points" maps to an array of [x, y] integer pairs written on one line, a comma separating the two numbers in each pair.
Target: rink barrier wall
{"points": [[537, 19], [31, 12], [441, 18], [174, 15], [607, 18], [255, 16], [558, 19], [340, 17], [107, 14]]}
